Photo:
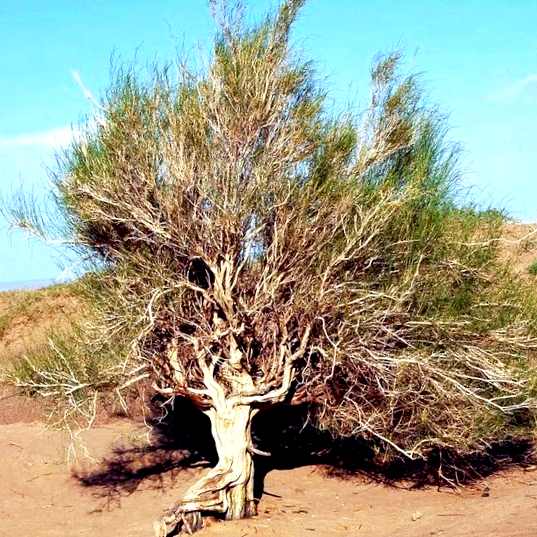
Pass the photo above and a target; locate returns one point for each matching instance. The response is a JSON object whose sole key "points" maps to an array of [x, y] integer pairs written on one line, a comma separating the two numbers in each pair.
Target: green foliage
{"points": [[228, 212], [532, 269]]}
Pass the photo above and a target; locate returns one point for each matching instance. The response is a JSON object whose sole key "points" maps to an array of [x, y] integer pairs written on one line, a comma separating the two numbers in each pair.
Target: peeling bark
{"points": [[227, 490]]}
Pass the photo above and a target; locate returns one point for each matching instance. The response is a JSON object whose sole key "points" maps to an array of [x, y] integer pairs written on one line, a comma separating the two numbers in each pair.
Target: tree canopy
{"points": [[251, 248]]}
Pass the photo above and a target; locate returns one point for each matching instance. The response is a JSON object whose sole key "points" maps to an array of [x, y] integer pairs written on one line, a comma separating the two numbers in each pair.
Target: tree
{"points": [[253, 249]]}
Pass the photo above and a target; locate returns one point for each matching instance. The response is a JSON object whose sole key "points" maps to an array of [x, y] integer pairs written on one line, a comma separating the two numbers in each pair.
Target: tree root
{"points": [[213, 494], [174, 523], [227, 490]]}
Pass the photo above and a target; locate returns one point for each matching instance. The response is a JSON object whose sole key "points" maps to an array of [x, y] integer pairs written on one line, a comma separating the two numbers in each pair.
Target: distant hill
{"points": [[27, 315], [26, 284]]}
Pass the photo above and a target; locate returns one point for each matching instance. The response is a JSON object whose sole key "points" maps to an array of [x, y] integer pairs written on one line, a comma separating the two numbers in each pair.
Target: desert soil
{"points": [[41, 495]]}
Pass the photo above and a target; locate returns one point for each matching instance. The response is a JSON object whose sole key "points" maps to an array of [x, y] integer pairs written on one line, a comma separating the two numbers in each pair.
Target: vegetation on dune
{"points": [[15, 304], [47, 349], [252, 249], [28, 316]]}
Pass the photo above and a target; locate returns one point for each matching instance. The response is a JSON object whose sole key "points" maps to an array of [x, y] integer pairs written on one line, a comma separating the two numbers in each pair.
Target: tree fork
{"points": [[227, 489]]}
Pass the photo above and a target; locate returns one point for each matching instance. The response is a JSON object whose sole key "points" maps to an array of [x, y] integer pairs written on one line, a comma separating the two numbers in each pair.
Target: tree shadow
{"points": [[181, 440], [288, 435]]}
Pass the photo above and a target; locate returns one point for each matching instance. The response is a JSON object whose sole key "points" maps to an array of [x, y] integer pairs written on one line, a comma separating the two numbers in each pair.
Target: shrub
{"points": [[251, 249]]}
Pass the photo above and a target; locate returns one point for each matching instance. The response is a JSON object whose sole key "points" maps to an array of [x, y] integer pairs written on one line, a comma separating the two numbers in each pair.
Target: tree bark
{"points": [[227, 489]]}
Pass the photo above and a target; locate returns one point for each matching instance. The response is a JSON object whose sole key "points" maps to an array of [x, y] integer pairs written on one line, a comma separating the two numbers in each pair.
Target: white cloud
{"points": [[98, 118], [85, 91], [515, 90], [54, 138], [61, 136]]}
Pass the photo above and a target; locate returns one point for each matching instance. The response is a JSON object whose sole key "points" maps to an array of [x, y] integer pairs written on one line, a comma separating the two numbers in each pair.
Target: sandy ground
{"points": [[40, 496], [519, 248]]}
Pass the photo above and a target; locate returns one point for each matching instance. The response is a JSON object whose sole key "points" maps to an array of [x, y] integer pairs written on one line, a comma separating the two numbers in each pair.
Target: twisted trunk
{"points": [[227, 489]]}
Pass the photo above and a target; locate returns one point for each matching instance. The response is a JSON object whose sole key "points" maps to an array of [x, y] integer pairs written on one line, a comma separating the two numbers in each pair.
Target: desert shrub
{"points": [[532, 269], [250, 249], [72, 374]]}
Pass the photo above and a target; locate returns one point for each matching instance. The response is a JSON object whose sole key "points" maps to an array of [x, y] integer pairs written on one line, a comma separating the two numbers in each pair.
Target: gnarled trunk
{"points": [[233, 444], [228, 488]]}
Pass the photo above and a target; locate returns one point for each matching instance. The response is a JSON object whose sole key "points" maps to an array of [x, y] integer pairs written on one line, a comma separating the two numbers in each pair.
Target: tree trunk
{"points": [[227, 489], [232, 435]]}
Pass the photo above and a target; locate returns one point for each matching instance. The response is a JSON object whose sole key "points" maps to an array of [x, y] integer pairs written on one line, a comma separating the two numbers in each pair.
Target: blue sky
{"points": [[478, 62]]}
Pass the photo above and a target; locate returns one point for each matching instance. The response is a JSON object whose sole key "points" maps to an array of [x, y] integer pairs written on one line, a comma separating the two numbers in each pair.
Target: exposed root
{"points": [[176, 523], [221, 492]]}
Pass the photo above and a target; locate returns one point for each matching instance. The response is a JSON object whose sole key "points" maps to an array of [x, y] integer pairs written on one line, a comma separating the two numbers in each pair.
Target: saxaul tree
{"points": [[253, 249]]}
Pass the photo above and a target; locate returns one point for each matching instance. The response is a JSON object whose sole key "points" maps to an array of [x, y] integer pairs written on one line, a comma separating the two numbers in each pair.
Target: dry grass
{"points": [[40, 342], [27, 318]]}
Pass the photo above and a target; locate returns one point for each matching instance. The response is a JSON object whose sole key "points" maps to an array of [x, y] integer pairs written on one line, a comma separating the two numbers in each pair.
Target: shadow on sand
{"points": [[182, 440]]}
